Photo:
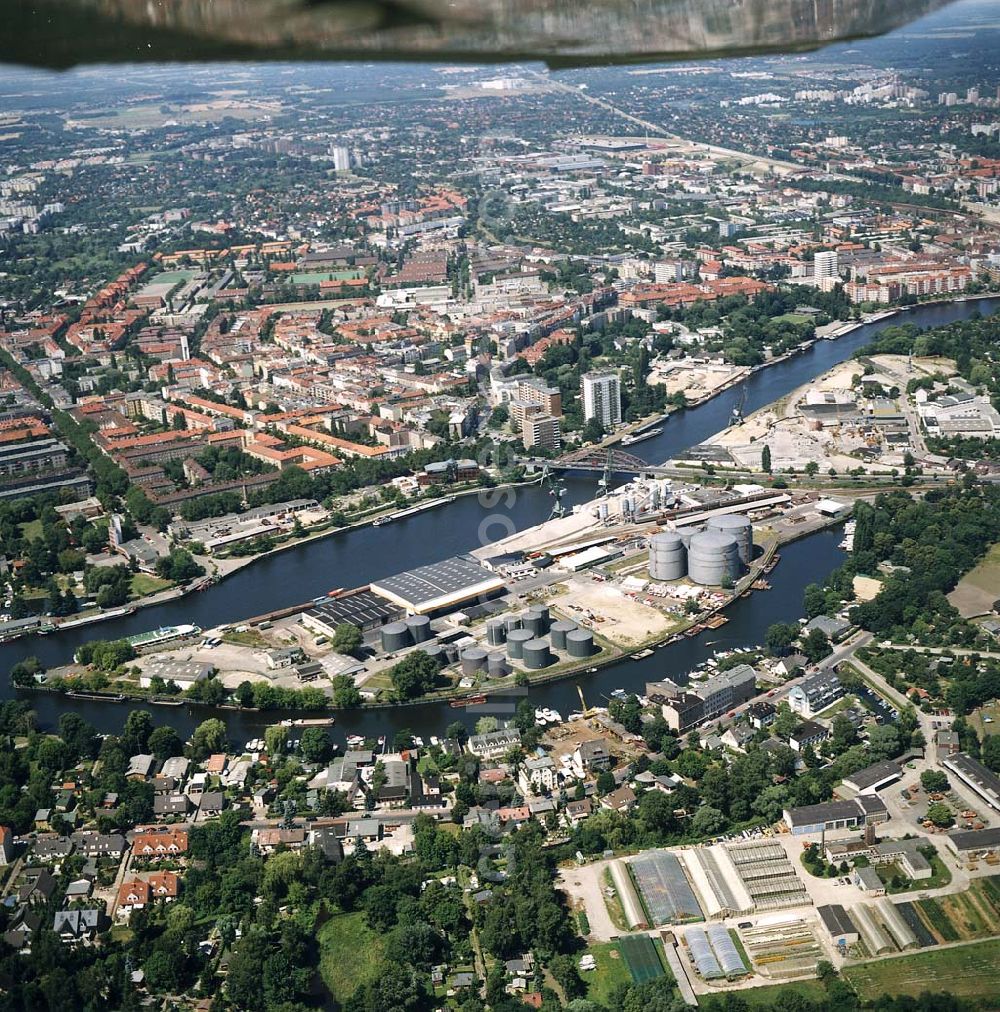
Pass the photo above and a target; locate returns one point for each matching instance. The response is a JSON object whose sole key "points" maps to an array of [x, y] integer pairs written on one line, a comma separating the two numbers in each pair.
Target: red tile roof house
{"points": [[160, 841], [138, 893]]}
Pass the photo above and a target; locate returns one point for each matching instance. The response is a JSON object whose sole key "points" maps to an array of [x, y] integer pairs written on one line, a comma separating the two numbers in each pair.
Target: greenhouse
{"points": [[665, 889]]}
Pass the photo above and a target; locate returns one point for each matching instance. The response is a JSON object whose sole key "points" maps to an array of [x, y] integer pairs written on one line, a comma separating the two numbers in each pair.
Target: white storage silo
{"points": [[713, 556], [736, 526], [667, 556]]}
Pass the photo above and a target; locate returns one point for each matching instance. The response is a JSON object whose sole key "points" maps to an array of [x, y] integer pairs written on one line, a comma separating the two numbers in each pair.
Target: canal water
{"points": [[358, 556]]}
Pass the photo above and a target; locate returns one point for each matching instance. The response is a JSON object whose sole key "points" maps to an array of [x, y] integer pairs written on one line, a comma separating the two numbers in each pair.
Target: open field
{"points": [[611, 971], [172, 277], [980, 587], [765, 997], [964, 916], [350, 954], [315, 277], [142, 584], [967, 971]]}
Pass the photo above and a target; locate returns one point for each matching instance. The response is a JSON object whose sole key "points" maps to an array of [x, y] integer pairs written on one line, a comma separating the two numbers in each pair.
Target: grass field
{"points": [[967, 971], [145, 584], [172, 277], [31, 530], [315, 277], [978, 589], [641, 957], [349, 954], [765, 997], [611, 971]]}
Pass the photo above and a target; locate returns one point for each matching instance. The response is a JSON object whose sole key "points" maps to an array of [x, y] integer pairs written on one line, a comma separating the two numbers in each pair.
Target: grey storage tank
{"points": [[395, 636], [580, 643], [738, 527], [667, 556], [558, 633], [534, 623], [537, 654], [497, 666], [713, 556], [473, 661], [420, 628], [516, 640], [435, 651], [512, 622], [496, 632], [539, 614]]}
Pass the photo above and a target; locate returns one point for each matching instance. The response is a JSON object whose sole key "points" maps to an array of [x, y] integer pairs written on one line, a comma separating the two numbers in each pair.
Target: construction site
{"points": [[856, 416]]}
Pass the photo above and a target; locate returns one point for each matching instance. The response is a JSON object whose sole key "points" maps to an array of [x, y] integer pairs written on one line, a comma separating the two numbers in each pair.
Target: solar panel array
{"points": [[665, 889]]}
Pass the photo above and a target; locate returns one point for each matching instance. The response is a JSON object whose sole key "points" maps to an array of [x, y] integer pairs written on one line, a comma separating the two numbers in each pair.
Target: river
{"points": [[368, 553]]}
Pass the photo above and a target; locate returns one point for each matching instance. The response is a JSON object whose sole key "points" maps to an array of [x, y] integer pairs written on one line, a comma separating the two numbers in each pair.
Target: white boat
{"points": [[640, 437], [354, 740]]}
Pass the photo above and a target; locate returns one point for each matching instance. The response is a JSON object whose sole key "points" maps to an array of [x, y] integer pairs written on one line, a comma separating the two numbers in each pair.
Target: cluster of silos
{"points": [[414, 630], [526, 642], [667, 556], [713, 557], [738, 527]]}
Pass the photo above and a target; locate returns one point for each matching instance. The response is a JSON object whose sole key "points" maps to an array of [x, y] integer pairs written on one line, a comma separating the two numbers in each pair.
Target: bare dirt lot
{"points": [[610, 612], [980, 587]]}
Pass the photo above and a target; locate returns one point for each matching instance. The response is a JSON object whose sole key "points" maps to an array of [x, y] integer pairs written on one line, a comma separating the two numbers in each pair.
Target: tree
{"points": [[779, 638], [347, 639], [275, 739], [707, 821], [940, 815], [605, 782], [164, 742], [785, 721], [209, 736], [934, 781], [315, 744], [414, 675], [345, 693], [136, 732], [816, 645], [765, 459]]}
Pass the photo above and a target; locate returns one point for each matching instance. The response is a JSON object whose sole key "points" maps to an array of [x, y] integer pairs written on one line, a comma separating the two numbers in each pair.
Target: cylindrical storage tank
{"points": [[395, 636], [558, 633], [534, 623], [496, 632], [602, 509], [497, 666], [687, 533], [738, 527], [712, 556], [451, 653], [473, 660], [667, 556], [537, 654], [420, 628], [512, 622], [580, 643], [435, 651], [541, 613], [516, 640]]}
